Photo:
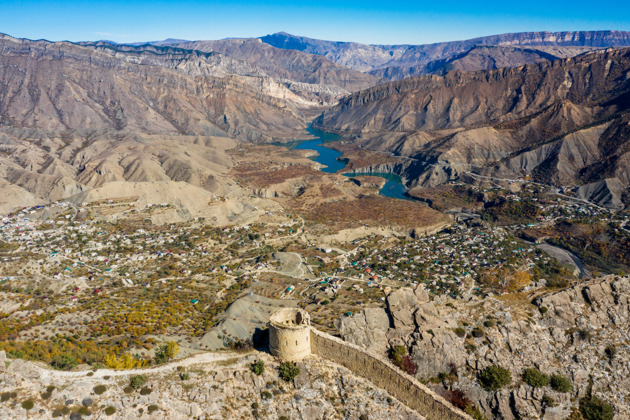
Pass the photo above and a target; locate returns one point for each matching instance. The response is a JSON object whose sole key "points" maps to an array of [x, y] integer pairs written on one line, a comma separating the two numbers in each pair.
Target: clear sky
{"points": [[366, 21]]}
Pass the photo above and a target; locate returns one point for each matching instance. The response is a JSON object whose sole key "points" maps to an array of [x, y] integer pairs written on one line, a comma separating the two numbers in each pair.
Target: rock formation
{"points": [[565, 332]]}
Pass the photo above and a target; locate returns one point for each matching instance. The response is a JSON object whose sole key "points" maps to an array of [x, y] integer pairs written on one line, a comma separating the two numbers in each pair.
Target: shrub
{"points": [[266, 395], [489, 323], [64, 361], [137, 381], [584, 334], [460, 332], [152, 408], [166, 351], [258, 368], [28, 405], [543, 310], [561, 383], [288, 371], [50, 388], [408, 365], [535, 378], [255, 406], [478, 332], [128, 390], [84, 411], [494, 377], [110, 410], [57, 413], [610, 351], [145, 391], [46, 395], [593, 408], [397, 353], [184, 376], [99, 389], [548, 401]]}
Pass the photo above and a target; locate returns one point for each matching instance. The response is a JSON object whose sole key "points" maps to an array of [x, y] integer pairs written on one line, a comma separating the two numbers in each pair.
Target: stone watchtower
{"points": [[290, 334]]}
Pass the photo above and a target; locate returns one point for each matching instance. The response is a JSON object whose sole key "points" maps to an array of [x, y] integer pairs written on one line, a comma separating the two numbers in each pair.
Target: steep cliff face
{"points": [[563, 122]]}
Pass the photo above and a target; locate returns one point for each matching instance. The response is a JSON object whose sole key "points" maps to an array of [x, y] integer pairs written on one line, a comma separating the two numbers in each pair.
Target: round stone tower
{"points": [[290, 334]]}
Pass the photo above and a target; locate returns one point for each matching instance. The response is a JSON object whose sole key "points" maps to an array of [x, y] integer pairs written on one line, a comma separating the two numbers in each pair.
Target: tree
{"points": [[519, 280], [166, 352]]}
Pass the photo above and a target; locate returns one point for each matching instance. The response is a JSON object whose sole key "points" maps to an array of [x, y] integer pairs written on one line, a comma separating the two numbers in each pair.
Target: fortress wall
{"points": [[384, 374]]}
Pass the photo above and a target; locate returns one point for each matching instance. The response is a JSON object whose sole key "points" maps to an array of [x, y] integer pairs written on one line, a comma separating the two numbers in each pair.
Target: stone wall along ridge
{"points": [[384, 374]]}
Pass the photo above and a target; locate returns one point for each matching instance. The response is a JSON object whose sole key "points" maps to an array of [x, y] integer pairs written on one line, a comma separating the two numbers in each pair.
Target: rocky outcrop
{"points": [[215, 390], [367, 329], [571, 329], [594, 305]]}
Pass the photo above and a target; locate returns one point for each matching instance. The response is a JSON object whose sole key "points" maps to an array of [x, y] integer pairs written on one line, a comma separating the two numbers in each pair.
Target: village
{"points": [[85, 273]]}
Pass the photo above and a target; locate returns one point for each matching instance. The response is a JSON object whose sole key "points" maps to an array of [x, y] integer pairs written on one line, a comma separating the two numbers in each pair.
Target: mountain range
{"points": [[552, 105]]}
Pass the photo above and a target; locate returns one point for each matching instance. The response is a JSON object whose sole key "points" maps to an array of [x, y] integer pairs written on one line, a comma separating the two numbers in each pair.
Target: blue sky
{"points": [[367, 21]]}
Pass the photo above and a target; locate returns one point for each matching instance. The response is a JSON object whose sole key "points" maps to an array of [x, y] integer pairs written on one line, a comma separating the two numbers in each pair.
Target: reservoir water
{"points": [[393, 187]]}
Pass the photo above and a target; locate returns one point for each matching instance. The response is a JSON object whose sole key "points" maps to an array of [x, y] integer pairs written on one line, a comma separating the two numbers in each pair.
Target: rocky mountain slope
{"points": [[482, 57], [247, 90], [63, 86], [190, 173], [399, 61], [216, 387], [288, 65], [565, 332], [353, 55], [563, 122]]}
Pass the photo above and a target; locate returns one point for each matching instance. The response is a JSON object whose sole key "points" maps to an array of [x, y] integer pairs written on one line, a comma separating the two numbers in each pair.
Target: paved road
{"points": [[557, 191]]}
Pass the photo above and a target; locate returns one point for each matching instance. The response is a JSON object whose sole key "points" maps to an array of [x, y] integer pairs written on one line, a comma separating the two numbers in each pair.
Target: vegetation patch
{"points": [[288, 371], [494, 378], [99, 389], [535, 378]]}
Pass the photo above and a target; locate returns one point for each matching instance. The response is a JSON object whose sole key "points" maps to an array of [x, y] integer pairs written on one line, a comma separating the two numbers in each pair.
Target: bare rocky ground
{"points": [[582, 333], [219, 386]]}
